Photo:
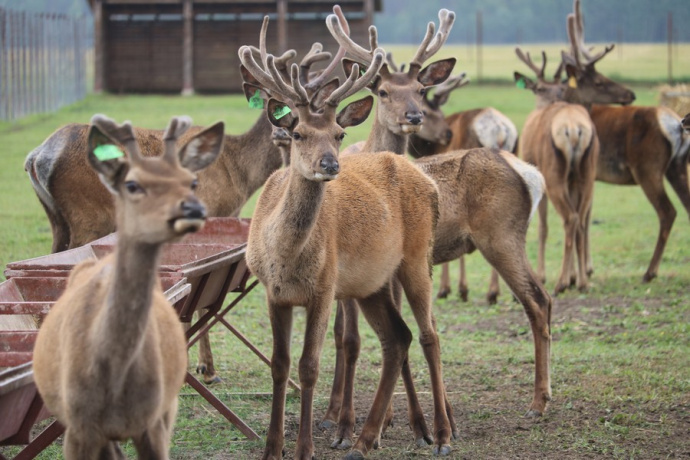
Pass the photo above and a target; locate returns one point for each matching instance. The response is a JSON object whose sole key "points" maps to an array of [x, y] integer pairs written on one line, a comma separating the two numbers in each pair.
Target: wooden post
{"points": [[669, 32], [369, 11], [3, 66], [98, 47], [187, 49], [282, 26]]}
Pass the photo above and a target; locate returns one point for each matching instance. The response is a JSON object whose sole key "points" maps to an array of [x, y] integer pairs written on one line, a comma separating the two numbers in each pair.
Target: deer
{"points": [[110, 357], [561, 140], [481, 127], [467, 220], [639, 145], [331, 227], [80, 208]]}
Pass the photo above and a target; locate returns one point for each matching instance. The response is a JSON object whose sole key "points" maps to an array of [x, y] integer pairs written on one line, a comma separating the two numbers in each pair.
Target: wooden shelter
{"points": [[191, 45]]}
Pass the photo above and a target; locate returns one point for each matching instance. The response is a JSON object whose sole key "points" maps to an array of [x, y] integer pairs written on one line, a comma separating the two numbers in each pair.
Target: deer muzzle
{"points": [[329, 167], [191, 218]]}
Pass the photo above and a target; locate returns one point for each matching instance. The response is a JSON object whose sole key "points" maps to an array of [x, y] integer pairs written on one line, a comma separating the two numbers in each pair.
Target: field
{"points": [[621, 386]]}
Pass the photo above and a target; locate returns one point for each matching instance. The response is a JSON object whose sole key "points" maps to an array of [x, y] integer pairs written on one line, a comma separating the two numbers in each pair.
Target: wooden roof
{"points": [[245, 5]]}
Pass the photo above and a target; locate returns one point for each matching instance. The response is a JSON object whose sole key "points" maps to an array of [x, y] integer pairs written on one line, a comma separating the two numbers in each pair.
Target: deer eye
{"points": [[195, 184], [133, 187], [340, 137], [422, 91], [383, 93], [296, 136]]}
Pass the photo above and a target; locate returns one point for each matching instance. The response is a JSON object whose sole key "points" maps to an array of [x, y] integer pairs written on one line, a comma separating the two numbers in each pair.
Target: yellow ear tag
{"points": [[572, 82]]}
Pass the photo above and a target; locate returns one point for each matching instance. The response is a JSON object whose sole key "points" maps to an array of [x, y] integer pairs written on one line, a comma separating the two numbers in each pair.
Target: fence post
{"points": [[3, 65]]}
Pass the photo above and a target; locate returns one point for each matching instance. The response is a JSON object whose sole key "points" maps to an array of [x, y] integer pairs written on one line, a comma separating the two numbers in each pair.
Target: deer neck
{"points": [[381, 139], [297, 213], [574, 96], [128, 306]]}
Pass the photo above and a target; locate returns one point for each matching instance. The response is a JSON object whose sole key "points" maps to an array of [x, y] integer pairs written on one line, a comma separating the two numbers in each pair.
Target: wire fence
{"points": [[42, 62]]}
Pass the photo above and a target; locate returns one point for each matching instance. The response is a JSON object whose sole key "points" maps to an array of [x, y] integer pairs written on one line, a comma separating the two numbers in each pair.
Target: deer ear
{"points": [[280, 115], [522, 81], [202, 149], [355, 112], [106, 158], [436, 72]]}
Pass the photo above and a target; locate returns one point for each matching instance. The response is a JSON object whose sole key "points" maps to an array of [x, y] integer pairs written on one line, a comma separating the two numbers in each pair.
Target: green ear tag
{"points": [[521, 83], [280, 112], [107, 152], [255, 102]]}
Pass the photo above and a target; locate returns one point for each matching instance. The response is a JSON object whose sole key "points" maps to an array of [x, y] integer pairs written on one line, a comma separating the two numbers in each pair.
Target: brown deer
{"points": [[110, 357], [328, 228], [560, 139], [639, 145], [475, 186], [482, 127], [82, 213]]}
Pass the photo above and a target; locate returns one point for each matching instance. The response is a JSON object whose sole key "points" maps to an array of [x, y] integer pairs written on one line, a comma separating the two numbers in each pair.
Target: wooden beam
{"points": [[187, 49]]}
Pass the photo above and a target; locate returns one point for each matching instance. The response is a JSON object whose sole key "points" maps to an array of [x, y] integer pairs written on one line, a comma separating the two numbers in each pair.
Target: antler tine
{"points": [[432, 43], [124, 134], [315, 54], [572, 36], [283, 61], [452, 83], [391, 64], [176, 128], [579, 33], [299, 90], [559, 71], [266, 79], [318, 81], [527, 59], [354, 84], [343, 38]]}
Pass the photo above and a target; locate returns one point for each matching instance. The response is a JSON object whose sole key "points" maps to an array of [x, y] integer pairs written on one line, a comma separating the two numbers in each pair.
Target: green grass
{"points": [[619, 359]]}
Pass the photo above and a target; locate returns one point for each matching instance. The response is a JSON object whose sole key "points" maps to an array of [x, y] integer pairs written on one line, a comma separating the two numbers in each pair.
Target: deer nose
{"points": [[329, 164], [193, 210], [414, 118]]}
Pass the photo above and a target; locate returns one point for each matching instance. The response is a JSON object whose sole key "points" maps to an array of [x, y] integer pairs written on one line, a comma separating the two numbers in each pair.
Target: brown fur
{"points": [[560, 139], [110, 357], [441, 134], [81, 210]]}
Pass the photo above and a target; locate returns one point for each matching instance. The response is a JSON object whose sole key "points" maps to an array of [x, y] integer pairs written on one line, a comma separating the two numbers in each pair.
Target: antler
{"points": [[432, 43], [576, 35], [270, 78], [452, 83], [527, 59], [176, 128], [340, 30], [123, 134]]}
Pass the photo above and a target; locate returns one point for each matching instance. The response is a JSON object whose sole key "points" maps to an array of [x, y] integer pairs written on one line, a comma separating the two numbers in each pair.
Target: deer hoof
{"points": [[354, 455], [492, 298], [341, 444], [533, 413], [327, 424], [424, 441], [442, 450], [443, 293], [648, 277]]}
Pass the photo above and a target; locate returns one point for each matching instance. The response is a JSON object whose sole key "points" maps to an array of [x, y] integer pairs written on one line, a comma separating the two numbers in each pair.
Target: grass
{"points": [[619, 358]]}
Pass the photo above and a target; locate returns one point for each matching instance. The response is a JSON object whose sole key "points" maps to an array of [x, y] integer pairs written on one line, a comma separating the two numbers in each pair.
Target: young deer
{"points": [[110, 357], [560, 139], [328, 228], [475, 187], [639, 145], [483, 127]]}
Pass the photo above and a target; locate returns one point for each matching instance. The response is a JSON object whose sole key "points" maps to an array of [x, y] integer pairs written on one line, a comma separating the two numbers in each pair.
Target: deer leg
{"points": [[205, 365], [417, 285], [463, 290], [281, 325], [154, 443], [444, 288], [508, 256], [344, 409], [677, 175], [395, 337], [588, 251], [336, 400], [561, 201], [318, 312], [543, 209], [80, 444], [652, 184], [494, 288], [584, 208], [415, 414]]}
